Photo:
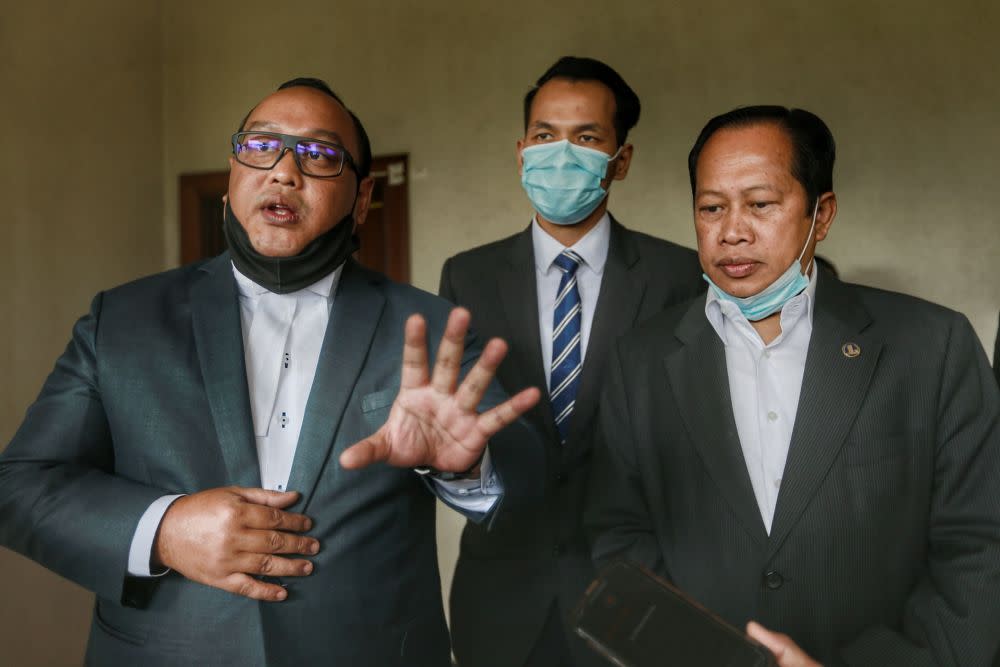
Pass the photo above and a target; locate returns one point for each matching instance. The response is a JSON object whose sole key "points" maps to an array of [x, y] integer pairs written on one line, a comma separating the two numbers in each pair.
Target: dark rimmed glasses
{"points": [[316, 158]]}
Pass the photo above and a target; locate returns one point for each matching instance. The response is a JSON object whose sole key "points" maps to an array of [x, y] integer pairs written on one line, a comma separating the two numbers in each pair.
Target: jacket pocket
{"points": [[114, 621]]}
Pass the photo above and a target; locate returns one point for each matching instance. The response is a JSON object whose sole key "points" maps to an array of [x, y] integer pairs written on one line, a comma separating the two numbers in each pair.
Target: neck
{"points": [[768, 328], [568, 235]]}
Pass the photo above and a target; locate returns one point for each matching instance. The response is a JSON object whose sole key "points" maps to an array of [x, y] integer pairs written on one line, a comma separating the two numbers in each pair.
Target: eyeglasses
{"points": [[263, 150]]}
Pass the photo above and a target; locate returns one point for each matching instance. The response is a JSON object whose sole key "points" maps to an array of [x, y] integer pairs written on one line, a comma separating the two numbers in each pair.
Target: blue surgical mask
{"points": [[773, 297], [563, 180]]}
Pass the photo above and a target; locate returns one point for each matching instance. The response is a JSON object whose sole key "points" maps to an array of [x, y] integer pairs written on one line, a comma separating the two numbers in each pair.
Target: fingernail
{"points": [[307, 568], [281, 595], [309, 524], [314, 548]]}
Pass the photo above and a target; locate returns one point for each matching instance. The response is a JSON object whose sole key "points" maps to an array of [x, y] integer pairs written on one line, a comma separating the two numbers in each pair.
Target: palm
{"points": [[432, 422]]}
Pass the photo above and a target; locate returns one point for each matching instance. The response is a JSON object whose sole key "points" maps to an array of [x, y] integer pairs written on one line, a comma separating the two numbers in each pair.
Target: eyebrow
{"points": [[316, 132], [587, 127], [752, 188]]}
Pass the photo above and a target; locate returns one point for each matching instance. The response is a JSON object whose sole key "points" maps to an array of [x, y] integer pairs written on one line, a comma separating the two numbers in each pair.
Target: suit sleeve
{"points": [[617, 517], [61, 503], [952, 615], [445, 288]]}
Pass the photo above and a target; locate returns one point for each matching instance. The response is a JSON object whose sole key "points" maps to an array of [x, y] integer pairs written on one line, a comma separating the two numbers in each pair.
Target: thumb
{"points": [[772, 640], [279, 499], [368, 451]]}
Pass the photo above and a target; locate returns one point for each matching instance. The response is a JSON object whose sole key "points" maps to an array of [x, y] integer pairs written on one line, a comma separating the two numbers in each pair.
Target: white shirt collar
{"points": [[324, 287], [593, 247], [799, 307]]}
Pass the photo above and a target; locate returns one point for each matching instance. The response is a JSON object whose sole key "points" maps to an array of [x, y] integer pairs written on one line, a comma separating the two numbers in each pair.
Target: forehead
{"points": [[566, 99], [306, 112], [762, 151]]}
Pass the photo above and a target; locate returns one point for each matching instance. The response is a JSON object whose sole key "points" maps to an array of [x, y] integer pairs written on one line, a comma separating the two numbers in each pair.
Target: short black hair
{"points": [[363, 162], [812, 144], [588, 69]]}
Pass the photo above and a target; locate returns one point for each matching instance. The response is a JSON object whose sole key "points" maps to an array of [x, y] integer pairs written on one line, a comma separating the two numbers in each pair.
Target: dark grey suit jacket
{"points": [[885, 544], [506, 579], [151, 398]]}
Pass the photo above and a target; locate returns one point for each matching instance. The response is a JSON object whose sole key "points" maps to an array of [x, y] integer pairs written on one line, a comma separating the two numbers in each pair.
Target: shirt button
{"points": [[773, 580], [767, 354], [281, 487], [777, 483], [772, 416]]}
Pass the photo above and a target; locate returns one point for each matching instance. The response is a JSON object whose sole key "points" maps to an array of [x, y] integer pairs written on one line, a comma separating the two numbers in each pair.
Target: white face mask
{"points": [[771, 299]]}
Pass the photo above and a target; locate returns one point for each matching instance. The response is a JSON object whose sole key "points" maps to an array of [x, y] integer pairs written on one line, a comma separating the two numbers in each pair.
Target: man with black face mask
{"points": [[205, 441], [559, 292]]}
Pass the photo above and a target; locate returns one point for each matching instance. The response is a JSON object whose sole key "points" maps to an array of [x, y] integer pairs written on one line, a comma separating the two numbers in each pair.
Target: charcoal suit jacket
{"points": [[150, 398], [885, 543]]}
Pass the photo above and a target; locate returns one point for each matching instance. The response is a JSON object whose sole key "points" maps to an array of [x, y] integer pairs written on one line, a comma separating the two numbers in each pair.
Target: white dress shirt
{"points": [[764, 385], [282, 338], [593, 248]]}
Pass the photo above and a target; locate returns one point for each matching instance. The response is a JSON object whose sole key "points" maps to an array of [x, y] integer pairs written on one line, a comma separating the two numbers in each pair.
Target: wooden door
{"points": [[385, 236]]}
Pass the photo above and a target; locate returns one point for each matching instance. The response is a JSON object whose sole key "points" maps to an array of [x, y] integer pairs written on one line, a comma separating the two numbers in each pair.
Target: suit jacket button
{"points": [[558, 550], [773, 580], [560, 478]]}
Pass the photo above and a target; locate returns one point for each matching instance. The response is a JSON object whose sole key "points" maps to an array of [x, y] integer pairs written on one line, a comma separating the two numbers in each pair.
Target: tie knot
{"points": [[568, 261]]}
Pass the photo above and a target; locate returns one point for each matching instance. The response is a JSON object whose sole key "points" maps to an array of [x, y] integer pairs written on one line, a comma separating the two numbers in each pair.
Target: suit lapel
{"points": [[518, 292], [357, 308], [834, 385], [215, 317], [622, 288], [700, 383]]}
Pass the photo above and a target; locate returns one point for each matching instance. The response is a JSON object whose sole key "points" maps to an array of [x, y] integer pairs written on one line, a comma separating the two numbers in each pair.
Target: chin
{"points": [[268, 246]]}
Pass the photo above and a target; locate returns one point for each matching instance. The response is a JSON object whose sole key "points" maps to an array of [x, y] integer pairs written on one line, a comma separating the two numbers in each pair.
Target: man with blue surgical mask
{"points": [[815, 461], [560, 292]]}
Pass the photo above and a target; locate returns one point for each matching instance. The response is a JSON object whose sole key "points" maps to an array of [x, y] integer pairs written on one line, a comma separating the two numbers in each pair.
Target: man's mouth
{"points": [[738, 267], [279, 212]]}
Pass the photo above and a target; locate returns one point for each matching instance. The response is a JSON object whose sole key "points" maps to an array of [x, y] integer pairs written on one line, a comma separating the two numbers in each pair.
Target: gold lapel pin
{"points": [[851, 350]]}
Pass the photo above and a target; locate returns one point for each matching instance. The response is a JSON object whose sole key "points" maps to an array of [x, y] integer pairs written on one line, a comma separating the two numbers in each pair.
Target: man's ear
{"points": [[618, 168], [825, 214], [364, 201]]}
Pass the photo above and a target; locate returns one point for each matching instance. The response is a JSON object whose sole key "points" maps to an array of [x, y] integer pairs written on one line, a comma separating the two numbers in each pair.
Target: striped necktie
{"points": [[566, 361]]}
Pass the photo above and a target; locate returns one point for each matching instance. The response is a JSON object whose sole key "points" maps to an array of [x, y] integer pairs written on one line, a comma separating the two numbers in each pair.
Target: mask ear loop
{"points": [[610, 160], [809, 236]]}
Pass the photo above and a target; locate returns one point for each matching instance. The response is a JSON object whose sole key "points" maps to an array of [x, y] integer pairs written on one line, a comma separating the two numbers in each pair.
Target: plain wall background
{"points": [[104, 104]]}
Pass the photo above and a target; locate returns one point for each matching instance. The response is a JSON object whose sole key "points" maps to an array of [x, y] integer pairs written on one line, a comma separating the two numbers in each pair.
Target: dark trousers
{"points": [[551, 649]]}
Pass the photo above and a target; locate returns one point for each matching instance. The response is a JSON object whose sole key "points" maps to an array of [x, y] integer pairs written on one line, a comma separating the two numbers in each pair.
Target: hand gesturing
{"points": [[432, 423]]}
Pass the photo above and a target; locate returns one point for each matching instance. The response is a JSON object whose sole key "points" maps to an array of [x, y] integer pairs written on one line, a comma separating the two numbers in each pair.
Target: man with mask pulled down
{"points": [[559, 293], [814, 460], [237, 456]]}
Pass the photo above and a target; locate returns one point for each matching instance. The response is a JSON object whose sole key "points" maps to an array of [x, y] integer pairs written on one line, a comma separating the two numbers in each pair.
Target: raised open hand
{"points": [[432, 423]]}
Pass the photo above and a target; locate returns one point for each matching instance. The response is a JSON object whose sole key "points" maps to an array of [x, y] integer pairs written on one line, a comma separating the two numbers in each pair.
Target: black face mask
{"points": [[289, 274]]}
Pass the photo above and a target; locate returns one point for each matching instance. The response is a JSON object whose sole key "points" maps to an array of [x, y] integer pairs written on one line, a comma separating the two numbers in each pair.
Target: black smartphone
{"points": [[635, 619]]}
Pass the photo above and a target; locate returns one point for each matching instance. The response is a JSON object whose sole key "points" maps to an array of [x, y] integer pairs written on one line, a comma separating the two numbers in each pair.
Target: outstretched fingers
{"points": [[494, 420], [414, 372], [370, 450], [478, 379], [449, 356]]}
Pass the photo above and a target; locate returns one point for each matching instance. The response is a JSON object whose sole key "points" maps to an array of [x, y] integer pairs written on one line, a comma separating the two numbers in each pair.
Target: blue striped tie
{"points": [[566, 363]]}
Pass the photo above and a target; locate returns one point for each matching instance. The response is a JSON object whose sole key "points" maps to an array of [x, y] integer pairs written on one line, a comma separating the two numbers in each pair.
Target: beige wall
{"points": [[82, 186], [906, 87]]}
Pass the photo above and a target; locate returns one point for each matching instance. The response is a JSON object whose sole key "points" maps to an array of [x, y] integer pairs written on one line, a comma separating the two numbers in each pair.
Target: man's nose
{"points": [[286, 171], [735, 227]]}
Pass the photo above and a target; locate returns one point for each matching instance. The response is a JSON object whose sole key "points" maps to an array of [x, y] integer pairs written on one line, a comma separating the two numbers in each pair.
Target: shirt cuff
{"points": [[473, 495], [141, 551]]}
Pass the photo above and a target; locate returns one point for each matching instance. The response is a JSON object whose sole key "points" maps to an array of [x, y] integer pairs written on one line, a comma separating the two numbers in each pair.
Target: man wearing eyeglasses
{"points": [[201, 456]]}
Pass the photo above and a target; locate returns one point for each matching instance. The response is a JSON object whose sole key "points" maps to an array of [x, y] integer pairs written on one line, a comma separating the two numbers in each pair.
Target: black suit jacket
{"points": [[151, 398], [885, 544], [506, 579]]}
